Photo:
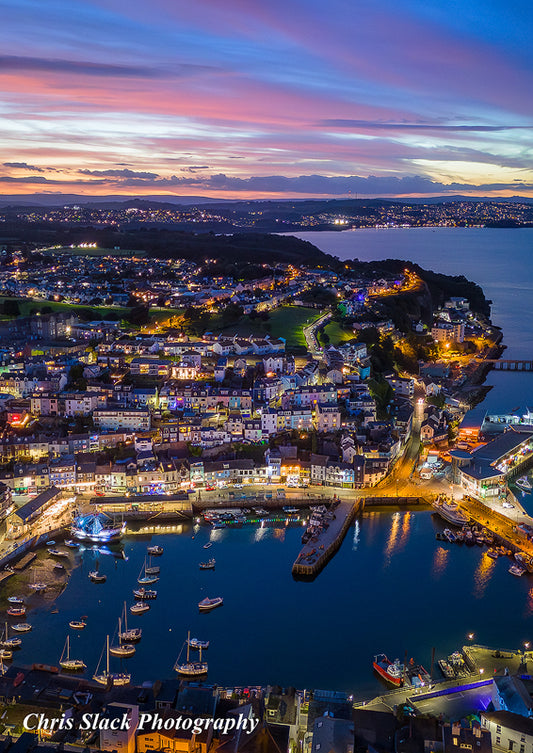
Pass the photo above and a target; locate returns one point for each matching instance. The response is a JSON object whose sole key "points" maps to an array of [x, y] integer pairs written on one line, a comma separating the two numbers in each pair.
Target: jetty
{"points": [[25, 561], [318, 551]]}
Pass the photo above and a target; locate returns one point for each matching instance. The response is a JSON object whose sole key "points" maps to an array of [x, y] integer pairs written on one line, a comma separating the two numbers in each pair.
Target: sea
{"points": [[392, 587]]}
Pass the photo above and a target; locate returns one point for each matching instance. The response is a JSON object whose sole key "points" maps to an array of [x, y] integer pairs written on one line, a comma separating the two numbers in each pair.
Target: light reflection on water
{"points": [[483, 574], [440, 560]]}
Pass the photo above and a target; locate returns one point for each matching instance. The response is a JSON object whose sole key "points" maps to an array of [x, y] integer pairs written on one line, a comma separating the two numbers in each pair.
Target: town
{"points": [[136, 389]]}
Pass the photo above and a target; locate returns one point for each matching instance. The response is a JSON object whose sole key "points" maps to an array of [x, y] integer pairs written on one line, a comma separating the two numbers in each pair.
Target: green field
{"points": [[83, 251], [38, 304], [286, 322], [337, 335]]}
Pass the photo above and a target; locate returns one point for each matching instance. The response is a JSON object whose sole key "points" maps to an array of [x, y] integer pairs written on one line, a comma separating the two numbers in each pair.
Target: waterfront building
{"points": [[123, 738], [508, 731]]}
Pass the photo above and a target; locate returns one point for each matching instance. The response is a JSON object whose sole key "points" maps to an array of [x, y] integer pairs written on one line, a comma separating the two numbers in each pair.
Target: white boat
{"points": [[123, 649], [144, 593], [71, 544], [191, 668], [15, 600], [449, 510], [198, 644], [57, 553], [517, 569], [146, 579], [21, 627], [155, 551], [10, 643], [96, 576], [107, 677], [524, 483], [207, 604], [129, 635], [152, 569], [209, 543], [139, 607], [77, 624], [70, 665], [6, 654]]}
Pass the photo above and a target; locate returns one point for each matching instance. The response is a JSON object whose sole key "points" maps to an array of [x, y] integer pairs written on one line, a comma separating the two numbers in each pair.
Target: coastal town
{"points": [[138, 391]]}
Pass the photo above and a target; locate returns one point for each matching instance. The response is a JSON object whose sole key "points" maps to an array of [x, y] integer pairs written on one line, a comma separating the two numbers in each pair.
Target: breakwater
{"points": [[314, 555]]}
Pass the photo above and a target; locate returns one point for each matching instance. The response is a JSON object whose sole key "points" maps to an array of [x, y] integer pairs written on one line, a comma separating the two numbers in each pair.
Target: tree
{"points": [[11, 307]]}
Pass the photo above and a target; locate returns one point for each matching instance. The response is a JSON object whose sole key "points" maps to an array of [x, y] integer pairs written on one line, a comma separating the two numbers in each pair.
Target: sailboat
{"points": [[191, 668], [131, 635], [152, 569], [115, 678], [145, 579], [71, 665], [10, 643], [123, 649]]}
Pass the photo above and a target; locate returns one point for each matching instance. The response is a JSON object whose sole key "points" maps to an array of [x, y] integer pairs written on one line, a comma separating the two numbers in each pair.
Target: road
{"points": [[310, 330]]}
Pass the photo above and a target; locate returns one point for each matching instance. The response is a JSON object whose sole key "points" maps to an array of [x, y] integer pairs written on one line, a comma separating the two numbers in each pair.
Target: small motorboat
{"points": [[209, 565], [15, 600], [97, 577], [77, 624], [21, 627], [144, 593], [16, 611], [209, 543], [38, 586], [155, 551], [57, 553], [58, 566], [195, 643], [71, 544], [6, 654], [139, 607], [50, 543], [206, 605]]}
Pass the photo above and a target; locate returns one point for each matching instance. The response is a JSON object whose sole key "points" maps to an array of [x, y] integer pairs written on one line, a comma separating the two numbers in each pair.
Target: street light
{"points": [[470, 636]]}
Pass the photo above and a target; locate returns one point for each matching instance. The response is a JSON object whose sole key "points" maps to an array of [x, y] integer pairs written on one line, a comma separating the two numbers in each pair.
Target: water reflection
{"points": [[398, 534], [356, 535], [440, 561], [483, 574]]}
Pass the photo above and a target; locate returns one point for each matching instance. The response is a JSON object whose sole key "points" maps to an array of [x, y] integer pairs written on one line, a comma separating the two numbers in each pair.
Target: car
{"points": [[210, 488], [237, 486], [508, 505]]}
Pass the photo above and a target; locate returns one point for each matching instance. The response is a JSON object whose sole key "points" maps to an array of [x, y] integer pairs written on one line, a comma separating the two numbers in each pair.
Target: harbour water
{"points": [[391, 587]]}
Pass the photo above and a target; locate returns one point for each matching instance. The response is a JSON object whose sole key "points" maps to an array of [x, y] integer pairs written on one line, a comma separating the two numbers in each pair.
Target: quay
{"points": [[314, 556], [498, 524], [393, 501], [25, 561]]}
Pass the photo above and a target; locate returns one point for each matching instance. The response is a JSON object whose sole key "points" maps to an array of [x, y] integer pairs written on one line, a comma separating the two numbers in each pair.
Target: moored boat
{"points": [[10, 643], [209, 565], [392, 672], [124, 650], [139, 607], [517, 569], [70, 665], [77, 624], [207, 604], [144, 593], [449, 510], [146, 579], [129, 635], [155, 551], [21, 627], [115, 678], [6, 654], [15, 600], [16, 611], [198, 644], [190, 668], [97, 577]]}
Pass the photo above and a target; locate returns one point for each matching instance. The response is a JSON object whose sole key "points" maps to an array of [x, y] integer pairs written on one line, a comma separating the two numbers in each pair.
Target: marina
{"points": [[382, 548]]}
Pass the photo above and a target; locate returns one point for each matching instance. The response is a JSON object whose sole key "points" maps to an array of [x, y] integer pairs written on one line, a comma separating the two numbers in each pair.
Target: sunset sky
{"points": [[249, 99]]}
